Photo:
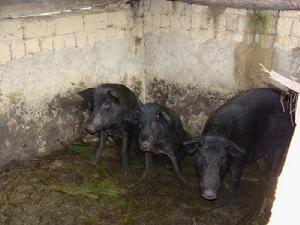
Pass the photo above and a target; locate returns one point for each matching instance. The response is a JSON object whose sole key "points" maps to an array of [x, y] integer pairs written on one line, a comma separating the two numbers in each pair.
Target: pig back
{"points": [[254, 120]]}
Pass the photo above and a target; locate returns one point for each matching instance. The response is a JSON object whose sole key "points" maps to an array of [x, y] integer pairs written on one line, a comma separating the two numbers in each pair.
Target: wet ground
{"points": [[64, 188]]}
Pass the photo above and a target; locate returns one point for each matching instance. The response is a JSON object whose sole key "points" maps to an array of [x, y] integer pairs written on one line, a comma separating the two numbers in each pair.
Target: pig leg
{"points": [[178, 170], [124, 151], [180, 154], [99, 150], [236, 174], [148, 159], [275, 167]]}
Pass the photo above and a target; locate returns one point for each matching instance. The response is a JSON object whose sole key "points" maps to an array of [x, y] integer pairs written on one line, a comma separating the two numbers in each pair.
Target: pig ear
{"points": [[115, 95], [87, 94], [166, 116], [192, 146], [234, 150]]}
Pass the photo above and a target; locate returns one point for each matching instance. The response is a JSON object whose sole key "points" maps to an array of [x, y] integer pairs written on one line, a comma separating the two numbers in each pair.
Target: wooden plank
{"points": [[285, 208], [293, 85], [287, 198], [27, 8], [249, 4]]}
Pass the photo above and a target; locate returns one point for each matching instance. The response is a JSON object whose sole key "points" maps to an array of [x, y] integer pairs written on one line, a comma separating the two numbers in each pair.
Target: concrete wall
{"points": [[189, 57]]}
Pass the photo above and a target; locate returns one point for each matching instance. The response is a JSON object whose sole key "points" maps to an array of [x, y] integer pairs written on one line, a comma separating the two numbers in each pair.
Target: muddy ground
{"points": [[64, 188]]}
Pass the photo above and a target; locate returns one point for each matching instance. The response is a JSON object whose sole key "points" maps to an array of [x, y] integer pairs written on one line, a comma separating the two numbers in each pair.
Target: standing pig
{"points": [[161, 132], [113, 107], [247, 127]]}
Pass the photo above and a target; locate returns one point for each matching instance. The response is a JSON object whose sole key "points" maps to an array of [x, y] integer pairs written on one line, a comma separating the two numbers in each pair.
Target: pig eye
{"points": [[226, 146], [158, 115], [105, 105]]}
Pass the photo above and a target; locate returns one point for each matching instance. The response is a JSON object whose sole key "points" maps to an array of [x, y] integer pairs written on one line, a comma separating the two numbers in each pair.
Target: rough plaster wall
{"points": [[218, 46], [198, 56], [187, 63], [191, 58], [33, 87], [45, 61], [286, 58]]}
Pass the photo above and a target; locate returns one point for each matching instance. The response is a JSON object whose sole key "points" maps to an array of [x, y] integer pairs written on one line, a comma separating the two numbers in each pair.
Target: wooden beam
{"points": [[285, 207], [293, 85], [284, 210], [248, 4]]}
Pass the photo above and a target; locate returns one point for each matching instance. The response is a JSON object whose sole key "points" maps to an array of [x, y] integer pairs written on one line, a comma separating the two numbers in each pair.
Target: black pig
{"points": [[113, 108], [247, 127], [161, 132]]}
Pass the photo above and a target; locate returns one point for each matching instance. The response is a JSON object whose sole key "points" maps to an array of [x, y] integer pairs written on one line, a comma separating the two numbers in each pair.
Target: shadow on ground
{"points": [[64, 188]]}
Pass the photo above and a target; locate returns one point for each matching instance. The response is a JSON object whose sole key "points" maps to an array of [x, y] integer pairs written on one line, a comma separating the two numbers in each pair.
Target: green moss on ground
{"points": [[64, 188], [192, 132], [81, 148]]}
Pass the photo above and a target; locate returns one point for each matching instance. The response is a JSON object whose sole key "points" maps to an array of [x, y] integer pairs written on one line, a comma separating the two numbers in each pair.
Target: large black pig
{"points": [[247, 127], [161, 132], [113, 107]]}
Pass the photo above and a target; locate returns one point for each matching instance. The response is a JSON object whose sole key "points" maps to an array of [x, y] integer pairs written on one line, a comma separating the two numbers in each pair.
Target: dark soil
{"points": [[64, 188]]}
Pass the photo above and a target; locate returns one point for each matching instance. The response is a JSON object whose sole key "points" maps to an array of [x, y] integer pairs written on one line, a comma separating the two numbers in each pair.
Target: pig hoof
{"points": [[143, 177], [93, 162]]}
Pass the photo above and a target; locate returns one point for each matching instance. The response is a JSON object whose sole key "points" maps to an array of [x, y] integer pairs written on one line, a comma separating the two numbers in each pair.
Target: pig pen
{"points": [[188, 57]]}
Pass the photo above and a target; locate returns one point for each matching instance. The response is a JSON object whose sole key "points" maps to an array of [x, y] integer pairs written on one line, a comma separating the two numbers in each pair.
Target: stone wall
{"points": [[189, 57]]}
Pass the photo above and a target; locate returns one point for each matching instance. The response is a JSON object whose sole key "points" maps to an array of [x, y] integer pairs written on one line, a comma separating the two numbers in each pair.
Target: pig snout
{"points": [[91, 128], [146, 141], [95, 123], [209, 194], [146, 146]]}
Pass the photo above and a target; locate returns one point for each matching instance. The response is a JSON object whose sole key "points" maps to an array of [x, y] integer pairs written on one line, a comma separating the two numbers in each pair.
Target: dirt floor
{"points": [[64, 188]]}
